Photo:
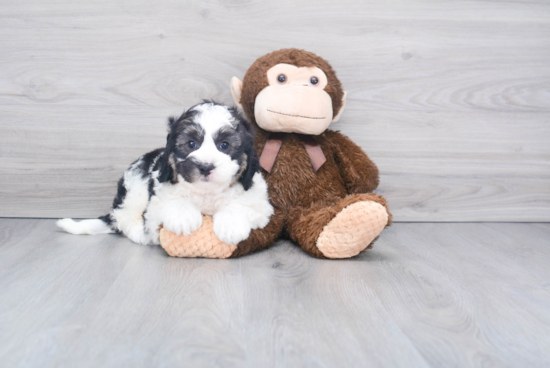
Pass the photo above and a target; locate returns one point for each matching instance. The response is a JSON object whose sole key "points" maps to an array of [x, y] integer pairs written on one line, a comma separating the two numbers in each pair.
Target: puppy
{"points": [[209, 166]]}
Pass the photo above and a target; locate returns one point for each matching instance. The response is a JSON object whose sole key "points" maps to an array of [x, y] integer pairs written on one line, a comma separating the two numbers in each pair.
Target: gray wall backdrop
{"points": [[450, 98]]}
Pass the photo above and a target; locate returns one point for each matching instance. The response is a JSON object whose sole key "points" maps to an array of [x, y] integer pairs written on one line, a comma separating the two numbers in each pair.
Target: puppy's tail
{"points": [[90, 227]]}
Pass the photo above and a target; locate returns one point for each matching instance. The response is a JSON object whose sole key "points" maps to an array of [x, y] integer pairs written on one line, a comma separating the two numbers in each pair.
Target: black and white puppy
{"points": [[209, 166]]}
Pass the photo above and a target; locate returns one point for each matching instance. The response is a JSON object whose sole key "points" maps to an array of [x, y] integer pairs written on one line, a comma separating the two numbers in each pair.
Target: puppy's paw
{"points": [[182, 220], [230, 228]]}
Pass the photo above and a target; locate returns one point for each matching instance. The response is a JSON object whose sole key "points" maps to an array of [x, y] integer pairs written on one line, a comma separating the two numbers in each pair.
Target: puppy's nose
{"points": [[205, 169]]}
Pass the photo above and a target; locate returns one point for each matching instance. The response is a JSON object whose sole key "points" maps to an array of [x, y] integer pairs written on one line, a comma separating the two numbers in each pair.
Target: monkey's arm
{"points": [[360, 174]]}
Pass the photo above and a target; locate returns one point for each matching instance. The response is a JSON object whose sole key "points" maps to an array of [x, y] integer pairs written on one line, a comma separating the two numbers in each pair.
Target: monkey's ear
{"points": [[236, 90], [337, 117]]}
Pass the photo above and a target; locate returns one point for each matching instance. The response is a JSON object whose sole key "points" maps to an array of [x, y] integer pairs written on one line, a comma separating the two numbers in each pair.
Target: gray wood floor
{"points": [[437, 295]]}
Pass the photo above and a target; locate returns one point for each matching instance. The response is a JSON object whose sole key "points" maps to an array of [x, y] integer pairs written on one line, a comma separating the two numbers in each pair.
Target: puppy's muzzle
{"points": [[205, 169]]}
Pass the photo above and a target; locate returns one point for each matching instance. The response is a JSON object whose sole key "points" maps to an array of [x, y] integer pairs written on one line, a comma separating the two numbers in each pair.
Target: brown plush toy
{"points": [[320, 182]]}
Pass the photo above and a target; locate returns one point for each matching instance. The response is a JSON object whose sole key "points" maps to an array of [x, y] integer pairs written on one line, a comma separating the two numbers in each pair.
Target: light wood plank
{"points": [[450, 99], [297, 307], [393, 59], [47, 280], [70, 166], [426, 295], [467, 281]]}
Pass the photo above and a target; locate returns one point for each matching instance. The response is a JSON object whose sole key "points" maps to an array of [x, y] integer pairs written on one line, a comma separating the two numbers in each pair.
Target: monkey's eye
{"points": [[191, 144], [314, 80], [281, 78], [224, 145]]}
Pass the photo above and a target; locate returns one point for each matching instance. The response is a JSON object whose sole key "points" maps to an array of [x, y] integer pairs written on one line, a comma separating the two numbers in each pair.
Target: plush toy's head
{"points": [[291, 91]]}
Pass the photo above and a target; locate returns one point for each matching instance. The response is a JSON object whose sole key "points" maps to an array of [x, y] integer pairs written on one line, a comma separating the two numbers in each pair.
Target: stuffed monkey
{"points": [[320, 182]]}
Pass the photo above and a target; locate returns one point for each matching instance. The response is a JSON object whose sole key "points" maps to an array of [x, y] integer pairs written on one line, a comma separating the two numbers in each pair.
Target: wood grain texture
{"points": [[427, 295], [451, 100]]}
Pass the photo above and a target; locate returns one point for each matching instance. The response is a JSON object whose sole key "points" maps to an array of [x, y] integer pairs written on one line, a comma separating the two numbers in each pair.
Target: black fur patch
{"points": [[248, 154], [252, 167], [165, 169], [109, 221], [175, 127], [188, 169], [151, 188], [106, 219], [146, 162], [189, 139], [120, 194], [234, 139]]}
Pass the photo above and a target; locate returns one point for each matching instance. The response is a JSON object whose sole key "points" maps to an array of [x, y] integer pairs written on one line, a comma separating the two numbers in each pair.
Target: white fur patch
{"points": [[179, 208], [213, 117], [88, 227]]}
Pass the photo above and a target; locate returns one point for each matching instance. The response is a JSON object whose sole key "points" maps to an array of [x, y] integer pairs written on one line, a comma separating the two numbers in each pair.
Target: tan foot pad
{"points": [[202, 243], [352, 230]]}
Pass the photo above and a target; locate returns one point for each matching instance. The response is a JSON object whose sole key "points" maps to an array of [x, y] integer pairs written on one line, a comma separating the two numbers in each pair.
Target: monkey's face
{"points": [[294, 101]]}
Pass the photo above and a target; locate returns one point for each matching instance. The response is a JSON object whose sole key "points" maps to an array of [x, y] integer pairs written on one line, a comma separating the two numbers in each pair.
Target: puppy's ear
{"points": [[166, 172], [242, 121], [252, 165]]}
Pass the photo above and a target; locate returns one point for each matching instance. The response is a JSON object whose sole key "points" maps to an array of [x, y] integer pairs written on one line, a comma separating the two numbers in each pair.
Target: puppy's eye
{"points": [[191, 144], [281, 78], [314, 80], [224, 145]]}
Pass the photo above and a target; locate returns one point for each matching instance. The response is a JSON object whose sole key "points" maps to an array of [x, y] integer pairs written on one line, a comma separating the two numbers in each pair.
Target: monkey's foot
{"points": [[202, 243], [352, 230]]}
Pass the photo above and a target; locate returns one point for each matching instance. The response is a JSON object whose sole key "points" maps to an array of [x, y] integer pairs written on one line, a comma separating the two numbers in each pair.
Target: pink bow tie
{"points": [[274, 143]]}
